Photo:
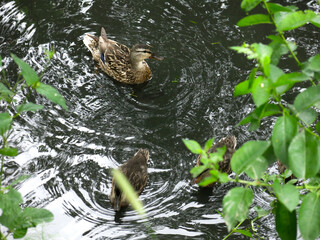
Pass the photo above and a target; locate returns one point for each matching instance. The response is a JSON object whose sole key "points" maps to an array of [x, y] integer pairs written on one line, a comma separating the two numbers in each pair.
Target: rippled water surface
{"points": [[69, 155]]}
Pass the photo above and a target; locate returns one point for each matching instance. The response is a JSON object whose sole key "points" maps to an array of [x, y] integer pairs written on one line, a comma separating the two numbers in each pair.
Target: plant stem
{"points": [[234, 229], [281, 35], [248, 183], [1, 170]]}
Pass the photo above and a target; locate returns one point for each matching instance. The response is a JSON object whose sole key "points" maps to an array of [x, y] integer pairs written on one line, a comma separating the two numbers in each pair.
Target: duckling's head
{"points": [[142, 154], [140, 52]]}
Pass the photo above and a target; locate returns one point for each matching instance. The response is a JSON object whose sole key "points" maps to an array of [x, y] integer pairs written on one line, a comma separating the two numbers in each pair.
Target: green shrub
{"points": [[295, 136], [13, 217]]}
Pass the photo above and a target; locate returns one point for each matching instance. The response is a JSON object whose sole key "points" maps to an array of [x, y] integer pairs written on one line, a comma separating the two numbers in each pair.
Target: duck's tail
{"points": [[91, 42]]}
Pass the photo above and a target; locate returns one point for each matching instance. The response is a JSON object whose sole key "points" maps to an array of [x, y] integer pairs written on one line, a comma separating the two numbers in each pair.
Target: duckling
{"points": [[224, 166], [136, 171], [282, 168], [118, 61]]}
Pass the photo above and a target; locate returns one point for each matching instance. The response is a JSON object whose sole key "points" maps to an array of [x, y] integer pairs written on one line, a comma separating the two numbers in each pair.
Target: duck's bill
{"points": [[156, 58]]}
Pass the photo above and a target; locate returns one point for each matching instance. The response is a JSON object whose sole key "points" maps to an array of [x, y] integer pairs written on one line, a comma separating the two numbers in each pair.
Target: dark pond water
{"points": [[69, 154]]}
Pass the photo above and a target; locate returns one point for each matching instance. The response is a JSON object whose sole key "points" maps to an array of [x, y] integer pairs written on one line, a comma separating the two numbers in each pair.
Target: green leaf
{"points": [[280, 47], [259, 113], [37, 215], [294, 20], [260, 91], [245, 49], [309, 216], [247, 156], [317, 127], [197, 170], [52, 94], [10, 206], [242, 89], [257, 167], [284, 130], [269, 155], [49, 53], [290, 78], [248, 5], [20, 233], [264, 53], [244, 232], [287, 194], [313, 64], [245, 86], [308, 116], [316, 21], [261, 212], [309, 97], [208, 144], [28, 73], [8, 151], [253, 20], [5, 122], [193, 146], [286, 222], [275, 73], [209, 180], [275, 7], [5, 93], [223, 177], [304, 155], [29, 107], [236, 205]]}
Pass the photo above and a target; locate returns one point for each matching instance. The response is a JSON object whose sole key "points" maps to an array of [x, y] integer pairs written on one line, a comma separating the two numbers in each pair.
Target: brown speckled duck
{"points": [[136, 171], [118, 61], [224, 166]]}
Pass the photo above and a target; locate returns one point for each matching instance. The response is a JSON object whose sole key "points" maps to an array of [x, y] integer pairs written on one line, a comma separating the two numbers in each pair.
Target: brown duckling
{"points": [[136, 171], [224, 166], [282, 168], [118, 61]]}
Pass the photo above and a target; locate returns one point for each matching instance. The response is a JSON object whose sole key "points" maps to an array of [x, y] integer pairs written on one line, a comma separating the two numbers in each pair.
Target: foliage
{"points": [[13, 216], [295, 139]]}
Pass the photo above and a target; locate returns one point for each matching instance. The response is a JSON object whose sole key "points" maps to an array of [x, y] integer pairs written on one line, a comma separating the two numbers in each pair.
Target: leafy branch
{"points": [[295, 140], [14, 218]]}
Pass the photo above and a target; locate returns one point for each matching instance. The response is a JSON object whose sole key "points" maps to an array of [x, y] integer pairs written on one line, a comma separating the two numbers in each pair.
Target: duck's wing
{"points": [[115, 61]]}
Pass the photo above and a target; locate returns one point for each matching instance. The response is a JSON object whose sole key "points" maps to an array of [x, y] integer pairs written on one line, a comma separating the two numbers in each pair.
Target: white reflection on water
{"points": [[179, 231], [209, 219]]}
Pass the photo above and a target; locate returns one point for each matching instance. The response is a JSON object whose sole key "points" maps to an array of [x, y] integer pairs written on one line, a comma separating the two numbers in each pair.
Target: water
{"points": [[69, 154]]}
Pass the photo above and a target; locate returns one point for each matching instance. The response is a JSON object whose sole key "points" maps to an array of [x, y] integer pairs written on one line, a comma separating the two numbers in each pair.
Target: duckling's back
{"points": [[136, 171]]}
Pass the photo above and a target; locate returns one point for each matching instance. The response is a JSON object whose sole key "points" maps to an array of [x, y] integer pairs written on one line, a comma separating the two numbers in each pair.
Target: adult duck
{"points": [[118, 61], [224, 166], [136, 171]]}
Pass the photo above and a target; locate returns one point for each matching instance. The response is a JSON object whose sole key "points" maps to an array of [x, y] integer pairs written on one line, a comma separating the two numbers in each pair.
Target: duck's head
{"points": [[140, 52], [142, 154]]}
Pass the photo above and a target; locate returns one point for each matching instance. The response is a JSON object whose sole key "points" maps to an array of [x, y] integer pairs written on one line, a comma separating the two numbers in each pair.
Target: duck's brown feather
{"points": [[136, 171]]}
